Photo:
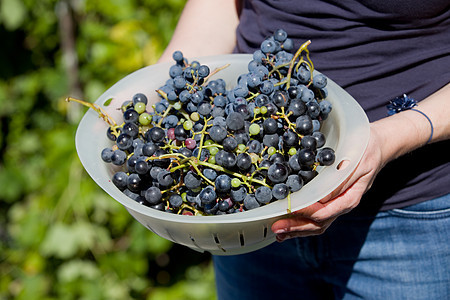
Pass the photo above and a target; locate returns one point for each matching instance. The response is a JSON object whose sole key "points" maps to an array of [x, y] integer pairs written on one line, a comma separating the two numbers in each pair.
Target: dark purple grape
{"points": [[141, 166], [271, 140], [208, 197], [223, 183], [243, 161], [131, 163], [319, 81], [124, 142], [278, 172], [192, 180], [185, 151], [250, 202], [217, 133], [306, 157], [297, 107], [254, 146], [307, 175], [280, 191], [120, 180], [155, 134], [149, 149], [320, 138], [277, 158], [303, 74], [235, 121], [180, 133], [309, 142], [229, 160], [132, 129], [280, 98], [130, 115], [119, 157], [238, 194], [313, 109], [326, 156], [139, 97], [211, 174], [243, 110], [294, 182], [134, 182], [293, 163], [290, 139], [204, 108], [229, 144], [165, 178], [263, 194], [175, 200], [106, 154], [304, 125], [270, 126], [153, 195]]}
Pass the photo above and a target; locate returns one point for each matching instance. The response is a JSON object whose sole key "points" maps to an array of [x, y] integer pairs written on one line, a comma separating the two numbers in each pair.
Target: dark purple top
{"points": [[375, 50]]}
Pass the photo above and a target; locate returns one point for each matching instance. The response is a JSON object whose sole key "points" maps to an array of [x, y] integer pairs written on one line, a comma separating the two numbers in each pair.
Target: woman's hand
{"points": [[316, 218], [390, 138]]}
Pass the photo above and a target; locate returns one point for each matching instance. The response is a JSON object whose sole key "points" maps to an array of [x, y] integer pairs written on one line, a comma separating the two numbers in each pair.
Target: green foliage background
{"points": [[61, 236]]}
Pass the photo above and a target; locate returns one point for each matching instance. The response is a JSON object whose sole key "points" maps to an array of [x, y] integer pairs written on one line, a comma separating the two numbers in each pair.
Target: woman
{"points": [[385, 232]]}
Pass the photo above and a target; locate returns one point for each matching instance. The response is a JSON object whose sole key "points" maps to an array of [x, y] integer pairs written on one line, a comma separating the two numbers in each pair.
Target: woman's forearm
{"points": [[206, 27], [409, 130]]}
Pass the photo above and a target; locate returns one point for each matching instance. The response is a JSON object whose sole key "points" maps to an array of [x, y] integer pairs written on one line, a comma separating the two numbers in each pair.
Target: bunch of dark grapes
{"points": [[206, 150]]}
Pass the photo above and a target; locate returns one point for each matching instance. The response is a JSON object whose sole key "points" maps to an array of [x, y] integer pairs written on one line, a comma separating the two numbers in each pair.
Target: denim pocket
{"points": [[431, 209]]}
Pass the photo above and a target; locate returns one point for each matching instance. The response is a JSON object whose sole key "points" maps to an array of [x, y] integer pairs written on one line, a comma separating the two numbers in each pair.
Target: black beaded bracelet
{"points": [[403, 103]]}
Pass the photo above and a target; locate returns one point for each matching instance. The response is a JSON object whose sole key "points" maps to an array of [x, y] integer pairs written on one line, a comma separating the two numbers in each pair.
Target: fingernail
{"points": [[279, 231], [280, 238]]}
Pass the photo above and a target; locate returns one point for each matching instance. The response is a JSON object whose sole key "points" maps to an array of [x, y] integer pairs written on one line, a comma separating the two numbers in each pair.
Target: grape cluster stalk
{"points": [[203, 149]]}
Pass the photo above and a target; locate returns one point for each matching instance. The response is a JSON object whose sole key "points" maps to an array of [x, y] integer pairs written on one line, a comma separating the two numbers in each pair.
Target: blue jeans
{"points": [[395, 254]]}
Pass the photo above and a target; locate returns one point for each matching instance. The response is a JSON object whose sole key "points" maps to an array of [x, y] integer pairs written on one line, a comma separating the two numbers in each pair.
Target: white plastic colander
{"points": [[346, 129]]}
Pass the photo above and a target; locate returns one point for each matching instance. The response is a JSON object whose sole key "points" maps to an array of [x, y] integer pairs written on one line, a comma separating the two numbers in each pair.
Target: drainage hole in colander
{"points": [[241, 239], [193, 241], [217, 241]]}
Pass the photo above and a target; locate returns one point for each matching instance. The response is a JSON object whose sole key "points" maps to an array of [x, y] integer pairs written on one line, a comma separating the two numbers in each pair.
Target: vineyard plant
{"points": [[61, 236]]}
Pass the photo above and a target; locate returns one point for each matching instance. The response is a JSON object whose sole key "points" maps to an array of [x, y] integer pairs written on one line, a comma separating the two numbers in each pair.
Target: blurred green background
{"points": [[61, 236]]}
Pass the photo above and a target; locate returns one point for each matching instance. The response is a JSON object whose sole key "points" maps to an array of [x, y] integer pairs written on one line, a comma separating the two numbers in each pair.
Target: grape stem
{"points": [[215, 72], [101, 112], [303, 47]]}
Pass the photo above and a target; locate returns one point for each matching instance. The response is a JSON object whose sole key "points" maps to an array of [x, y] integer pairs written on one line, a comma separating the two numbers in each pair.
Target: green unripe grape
{"points": [[195, 116], [183, 196], [257, 111], [263, 110], [271, 150], [235, 182], [213, 150], [241, 147], [177, 105], [187, 125], [292, 151], [212, 159], [208, 142], [139, 107], [145, 118], [254, 129]]}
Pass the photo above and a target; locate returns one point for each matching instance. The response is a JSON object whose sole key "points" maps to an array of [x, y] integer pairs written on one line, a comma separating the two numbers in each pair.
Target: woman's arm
{"points": [[390, 138], [205, 27]]}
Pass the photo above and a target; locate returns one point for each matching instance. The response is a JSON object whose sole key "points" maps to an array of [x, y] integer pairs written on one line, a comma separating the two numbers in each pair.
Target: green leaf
{"points": [[60, 242], [75, 269], [108, 102], [12, 13]]}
